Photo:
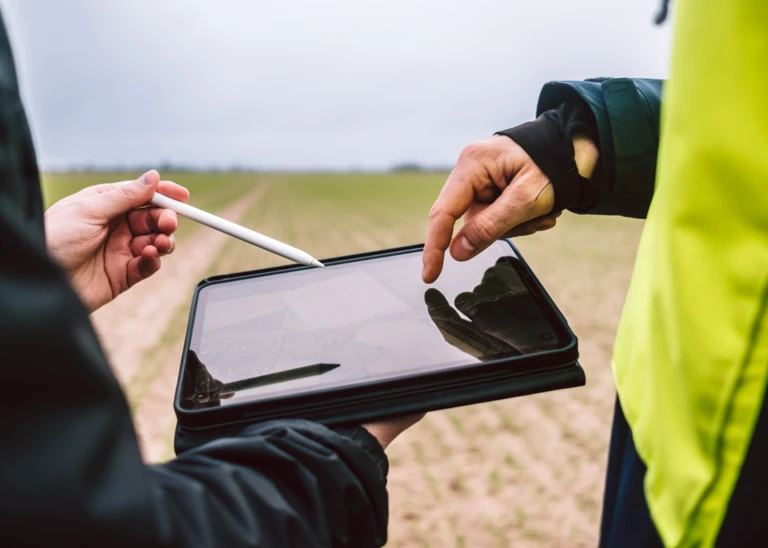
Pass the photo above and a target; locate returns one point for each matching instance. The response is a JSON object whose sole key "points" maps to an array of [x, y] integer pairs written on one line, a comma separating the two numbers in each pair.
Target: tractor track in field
{"points": [[131, 324]]}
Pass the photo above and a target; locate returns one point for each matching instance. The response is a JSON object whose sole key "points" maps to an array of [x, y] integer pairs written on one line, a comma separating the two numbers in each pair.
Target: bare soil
{"points": [[520, 472]]}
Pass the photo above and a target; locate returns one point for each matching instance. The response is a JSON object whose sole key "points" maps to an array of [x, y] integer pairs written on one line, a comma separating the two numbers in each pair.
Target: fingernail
{"points": [[145, 180], [468, 248]]}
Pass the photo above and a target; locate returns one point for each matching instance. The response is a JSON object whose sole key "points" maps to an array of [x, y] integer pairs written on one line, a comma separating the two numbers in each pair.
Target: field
{"points": [[521, 472]]}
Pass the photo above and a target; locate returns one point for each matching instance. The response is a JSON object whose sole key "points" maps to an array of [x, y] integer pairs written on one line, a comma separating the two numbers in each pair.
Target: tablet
{"points": [[364, 338]]}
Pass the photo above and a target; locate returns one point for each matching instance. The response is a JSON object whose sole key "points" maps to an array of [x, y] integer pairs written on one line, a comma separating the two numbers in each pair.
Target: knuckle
{"points": [[484, 229], [134, 217], [126, 192], [472, 150]]}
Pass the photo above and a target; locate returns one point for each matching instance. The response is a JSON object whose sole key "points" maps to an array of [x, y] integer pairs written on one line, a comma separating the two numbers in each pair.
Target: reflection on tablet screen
{"points": [[352, 323]]}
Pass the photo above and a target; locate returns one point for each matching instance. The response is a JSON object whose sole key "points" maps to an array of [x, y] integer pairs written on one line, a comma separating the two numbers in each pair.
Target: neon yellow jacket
{"points": [[692, 350]]}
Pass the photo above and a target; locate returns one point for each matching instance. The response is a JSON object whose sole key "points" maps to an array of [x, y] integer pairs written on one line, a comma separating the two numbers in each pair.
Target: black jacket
{"points": [[70, 470]]}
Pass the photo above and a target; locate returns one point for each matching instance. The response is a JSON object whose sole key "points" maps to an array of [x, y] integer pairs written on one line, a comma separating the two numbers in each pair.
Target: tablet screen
{"points": [[307, 330]]}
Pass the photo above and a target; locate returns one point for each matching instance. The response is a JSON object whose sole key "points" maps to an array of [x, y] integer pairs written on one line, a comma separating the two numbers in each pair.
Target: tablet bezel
{"points": [[409, 393]]}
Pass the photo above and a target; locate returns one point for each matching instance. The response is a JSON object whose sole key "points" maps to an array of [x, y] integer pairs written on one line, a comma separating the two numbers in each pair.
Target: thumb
{"points": [[518, 203], [121, 198]]}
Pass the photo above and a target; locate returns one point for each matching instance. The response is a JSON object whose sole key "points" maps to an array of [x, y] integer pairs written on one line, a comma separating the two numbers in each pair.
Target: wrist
{"points": [[380, 433], [58, 251], [585, 154]]}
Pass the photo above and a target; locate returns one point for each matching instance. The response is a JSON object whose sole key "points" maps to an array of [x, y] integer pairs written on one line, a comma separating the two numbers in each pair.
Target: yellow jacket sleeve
{"points": [[692, 350]]}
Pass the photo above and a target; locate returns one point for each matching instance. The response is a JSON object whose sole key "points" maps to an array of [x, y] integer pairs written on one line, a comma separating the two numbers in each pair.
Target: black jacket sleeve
{"points": [[548, 140], [282, 483], [70, 469], [70, 465], [622, 117]]}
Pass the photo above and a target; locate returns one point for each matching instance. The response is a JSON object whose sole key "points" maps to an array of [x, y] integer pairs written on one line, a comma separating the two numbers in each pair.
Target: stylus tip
{"points": [[317, 263]]}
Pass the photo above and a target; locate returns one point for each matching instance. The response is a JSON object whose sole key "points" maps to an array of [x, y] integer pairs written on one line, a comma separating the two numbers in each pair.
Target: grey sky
{"points": [[303, 84]]}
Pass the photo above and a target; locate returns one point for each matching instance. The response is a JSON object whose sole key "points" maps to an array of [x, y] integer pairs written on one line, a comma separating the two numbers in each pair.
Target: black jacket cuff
{"points": [[368, 443], [550, 146]]}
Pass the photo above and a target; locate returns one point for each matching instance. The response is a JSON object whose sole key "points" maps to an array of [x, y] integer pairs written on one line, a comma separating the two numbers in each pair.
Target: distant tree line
{"points": [[162, 167], [415, 167]]}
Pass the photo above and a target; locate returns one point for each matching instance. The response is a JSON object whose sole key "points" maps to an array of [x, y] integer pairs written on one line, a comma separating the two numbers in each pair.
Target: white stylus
{"points": [[234, 229]]}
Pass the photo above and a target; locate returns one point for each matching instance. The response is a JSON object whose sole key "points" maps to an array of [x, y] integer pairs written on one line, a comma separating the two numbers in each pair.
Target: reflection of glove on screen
{"points": [[461, 333], [205, 389], [503, 317]]}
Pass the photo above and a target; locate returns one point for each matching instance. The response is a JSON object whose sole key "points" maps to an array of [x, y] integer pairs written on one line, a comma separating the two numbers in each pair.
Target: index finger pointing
{"points": [[454, 200]]}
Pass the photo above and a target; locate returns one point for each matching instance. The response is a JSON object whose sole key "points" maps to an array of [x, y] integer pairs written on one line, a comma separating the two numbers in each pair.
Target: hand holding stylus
{"points": [[106, 241]]}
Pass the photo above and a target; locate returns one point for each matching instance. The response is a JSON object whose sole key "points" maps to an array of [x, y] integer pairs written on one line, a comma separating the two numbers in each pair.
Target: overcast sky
{"points": [[306, 84]]}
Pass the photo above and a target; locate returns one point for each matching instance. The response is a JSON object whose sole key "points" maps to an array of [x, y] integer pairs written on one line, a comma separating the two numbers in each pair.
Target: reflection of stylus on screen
{"points": [[281, 376]]}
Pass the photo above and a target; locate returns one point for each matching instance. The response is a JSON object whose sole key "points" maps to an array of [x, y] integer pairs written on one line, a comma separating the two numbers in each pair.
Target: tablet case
{"points": [[570, 376], [357, 406]]}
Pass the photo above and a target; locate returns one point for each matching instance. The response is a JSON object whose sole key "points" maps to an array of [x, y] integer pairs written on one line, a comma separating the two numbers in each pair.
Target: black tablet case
{"points": [[352, 409]]}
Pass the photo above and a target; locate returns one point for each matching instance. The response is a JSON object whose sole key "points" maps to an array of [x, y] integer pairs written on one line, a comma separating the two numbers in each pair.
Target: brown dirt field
{"points": [[520, 472]]}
